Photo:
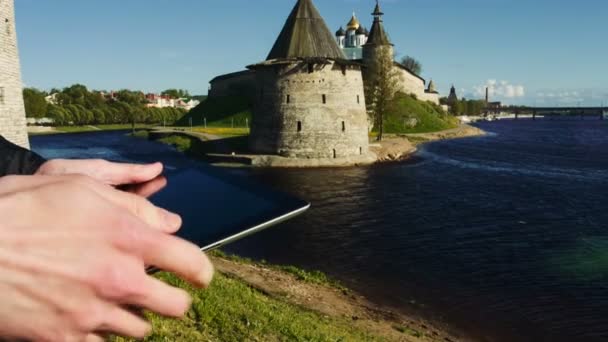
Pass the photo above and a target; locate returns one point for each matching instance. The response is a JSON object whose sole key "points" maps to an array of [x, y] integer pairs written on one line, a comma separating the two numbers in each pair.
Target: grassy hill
{"points": [[410, 115], [407, 115], [220, 112]]}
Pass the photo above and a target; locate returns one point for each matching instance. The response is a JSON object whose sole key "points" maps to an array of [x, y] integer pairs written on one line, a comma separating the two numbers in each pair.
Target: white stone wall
{"points": [[12, 112], [429, 97], [411, 84], [291, 119]]}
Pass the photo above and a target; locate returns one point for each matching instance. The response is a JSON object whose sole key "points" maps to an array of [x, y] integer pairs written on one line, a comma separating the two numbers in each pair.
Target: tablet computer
{"points": [[218, 208]]}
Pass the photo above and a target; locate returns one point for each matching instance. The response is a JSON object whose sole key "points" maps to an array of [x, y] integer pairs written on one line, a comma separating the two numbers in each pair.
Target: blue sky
{"points": [[543, 52]]}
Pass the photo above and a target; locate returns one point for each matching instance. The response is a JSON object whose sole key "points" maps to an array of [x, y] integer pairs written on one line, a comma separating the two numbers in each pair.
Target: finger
{"points": [[103, 171], [117, 174], [161, 298], [124, 323], [147, 189], [174, 255], [155, 217], [94, 338]]}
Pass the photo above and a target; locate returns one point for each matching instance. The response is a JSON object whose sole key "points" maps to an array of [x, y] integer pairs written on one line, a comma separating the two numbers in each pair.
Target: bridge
{"points": [[599, 112]]}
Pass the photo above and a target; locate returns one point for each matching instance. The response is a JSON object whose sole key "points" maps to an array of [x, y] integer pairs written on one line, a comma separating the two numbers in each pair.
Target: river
{"points": [[503, 236]]}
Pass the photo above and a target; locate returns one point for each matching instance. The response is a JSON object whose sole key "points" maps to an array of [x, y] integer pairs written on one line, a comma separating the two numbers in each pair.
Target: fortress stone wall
{"points": [[12, 112], [234, 84], [309, 110]]}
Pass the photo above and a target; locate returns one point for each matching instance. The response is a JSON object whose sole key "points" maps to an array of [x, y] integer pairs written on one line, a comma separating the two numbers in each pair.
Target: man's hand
{"points": [[73, 255], [143, 180]]}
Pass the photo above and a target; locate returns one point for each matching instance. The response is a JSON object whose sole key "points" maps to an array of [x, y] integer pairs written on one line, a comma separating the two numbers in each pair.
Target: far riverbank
{"points": [[227, 149], [399, 147]]}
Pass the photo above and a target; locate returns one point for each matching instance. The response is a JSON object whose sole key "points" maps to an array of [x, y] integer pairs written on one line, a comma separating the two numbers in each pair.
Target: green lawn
{"points": [[230, 310], [223, 131]]}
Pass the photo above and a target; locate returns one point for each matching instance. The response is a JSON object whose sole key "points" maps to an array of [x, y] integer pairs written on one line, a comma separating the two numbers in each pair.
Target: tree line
{"points": [[76, 105], [465, 107]]}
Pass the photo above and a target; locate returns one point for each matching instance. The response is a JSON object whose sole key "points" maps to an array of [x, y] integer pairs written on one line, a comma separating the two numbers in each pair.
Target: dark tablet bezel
{"points": [[289, 206]]}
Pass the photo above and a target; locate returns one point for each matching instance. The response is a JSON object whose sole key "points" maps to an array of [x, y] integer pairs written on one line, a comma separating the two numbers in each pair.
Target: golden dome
{"points": [[354, 23]]}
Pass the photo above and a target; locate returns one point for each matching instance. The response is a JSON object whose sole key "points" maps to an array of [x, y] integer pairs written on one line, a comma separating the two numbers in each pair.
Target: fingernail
{"points": [[172, 220], [187, 304]]}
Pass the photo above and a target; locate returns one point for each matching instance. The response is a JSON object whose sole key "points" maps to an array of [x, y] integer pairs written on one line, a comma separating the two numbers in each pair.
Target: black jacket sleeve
{"points": [[15, 160]]}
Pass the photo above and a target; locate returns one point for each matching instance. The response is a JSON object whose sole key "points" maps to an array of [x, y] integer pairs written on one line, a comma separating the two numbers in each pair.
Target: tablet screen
{"points": [[216, 207]]}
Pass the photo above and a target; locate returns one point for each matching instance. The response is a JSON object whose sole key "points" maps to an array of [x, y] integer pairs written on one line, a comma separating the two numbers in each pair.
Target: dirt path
{"points": [[334, 302]]}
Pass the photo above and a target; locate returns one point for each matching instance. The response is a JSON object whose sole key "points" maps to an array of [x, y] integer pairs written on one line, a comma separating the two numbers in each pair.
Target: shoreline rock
{"points": [[396, 148]]}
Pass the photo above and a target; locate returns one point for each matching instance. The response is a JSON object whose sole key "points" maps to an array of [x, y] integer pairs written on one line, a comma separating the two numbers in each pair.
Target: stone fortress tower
{"points": [[309, 100], [378, 39], [12, 112]]}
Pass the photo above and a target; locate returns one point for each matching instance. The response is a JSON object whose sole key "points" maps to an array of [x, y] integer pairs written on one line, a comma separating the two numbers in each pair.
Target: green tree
{"points": [[35, 103], [58, 115], [381, 80], [176, 93], [99, 117], [75, 94], [412, 64]]}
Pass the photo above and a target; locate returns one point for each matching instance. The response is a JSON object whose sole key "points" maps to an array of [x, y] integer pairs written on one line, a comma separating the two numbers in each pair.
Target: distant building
{"points": [[163, 101], [452, 98], [352, 39], [159, 101], [494, 107], [52, 99]]}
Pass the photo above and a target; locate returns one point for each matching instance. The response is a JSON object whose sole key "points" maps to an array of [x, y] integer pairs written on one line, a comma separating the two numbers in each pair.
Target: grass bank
{"points": [[410, 115], [88, 128], [250, 301], [227, 111]]}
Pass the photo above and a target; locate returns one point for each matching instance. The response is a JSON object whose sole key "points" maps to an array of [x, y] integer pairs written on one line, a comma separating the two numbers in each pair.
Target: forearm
{"points": [[15, 160]]}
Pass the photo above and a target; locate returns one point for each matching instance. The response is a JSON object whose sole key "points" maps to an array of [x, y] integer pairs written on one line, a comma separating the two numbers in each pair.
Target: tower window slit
{"points": [[358, 99], [1, 95], [288, 100], [343, 126], [299, 126], [324, 99], [335, 153]]}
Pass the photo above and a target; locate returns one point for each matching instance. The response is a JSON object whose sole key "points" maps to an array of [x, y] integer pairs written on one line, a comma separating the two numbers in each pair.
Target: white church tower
{"points": [[352, 39]]}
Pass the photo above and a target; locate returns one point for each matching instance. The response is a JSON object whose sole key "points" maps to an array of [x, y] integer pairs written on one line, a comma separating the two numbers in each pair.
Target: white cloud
{"points": [[502, 89]]}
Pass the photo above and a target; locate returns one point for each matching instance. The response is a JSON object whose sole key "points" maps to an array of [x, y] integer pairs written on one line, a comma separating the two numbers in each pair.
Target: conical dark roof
{"points": [[377, 35], [305, 34]]}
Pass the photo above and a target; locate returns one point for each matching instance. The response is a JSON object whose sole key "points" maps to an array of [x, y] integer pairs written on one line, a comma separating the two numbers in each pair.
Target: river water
{"points": [[503, 236]]}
